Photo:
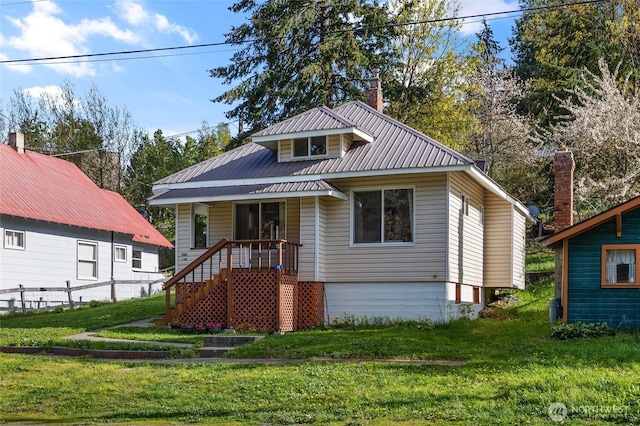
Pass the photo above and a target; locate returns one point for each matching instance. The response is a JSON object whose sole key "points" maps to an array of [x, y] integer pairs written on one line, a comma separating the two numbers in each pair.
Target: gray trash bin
{"points": [[554, 310]]}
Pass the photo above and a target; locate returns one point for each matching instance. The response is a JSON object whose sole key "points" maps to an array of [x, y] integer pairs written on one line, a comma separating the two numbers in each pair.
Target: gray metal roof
{"points": [[232, 192], [319, 118], [395, 146]]}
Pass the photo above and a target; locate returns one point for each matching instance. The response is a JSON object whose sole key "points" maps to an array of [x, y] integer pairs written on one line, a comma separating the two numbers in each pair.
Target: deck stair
{"points": [[215, 346]]}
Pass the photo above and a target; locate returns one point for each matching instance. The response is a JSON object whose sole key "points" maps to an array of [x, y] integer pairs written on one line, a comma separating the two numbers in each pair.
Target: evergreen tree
{"points": [[301, 54]]}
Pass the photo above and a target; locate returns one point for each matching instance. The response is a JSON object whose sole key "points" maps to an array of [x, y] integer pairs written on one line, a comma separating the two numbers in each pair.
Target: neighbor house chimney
{"points": [[374, 92], [563, 167], [16, 141]]}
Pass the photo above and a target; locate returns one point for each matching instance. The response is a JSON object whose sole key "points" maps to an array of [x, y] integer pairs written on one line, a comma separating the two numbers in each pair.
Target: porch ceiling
{"points": [[247, 192]]}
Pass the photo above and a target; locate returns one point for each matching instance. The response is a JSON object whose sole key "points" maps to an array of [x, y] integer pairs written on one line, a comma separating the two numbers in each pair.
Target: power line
{"points": [[21, 2], [223, 43]]}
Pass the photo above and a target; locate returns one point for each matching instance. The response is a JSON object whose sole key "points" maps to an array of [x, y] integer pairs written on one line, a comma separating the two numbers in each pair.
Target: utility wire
{"points": [[224, 43]]}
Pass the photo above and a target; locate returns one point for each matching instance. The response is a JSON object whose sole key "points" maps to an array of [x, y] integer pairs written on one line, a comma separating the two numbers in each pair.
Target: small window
{"points": [[120, 253], [14, 239], [200, 225], [619, 266], [464, 209], [87, 260], [309, 147], [136, 258]]}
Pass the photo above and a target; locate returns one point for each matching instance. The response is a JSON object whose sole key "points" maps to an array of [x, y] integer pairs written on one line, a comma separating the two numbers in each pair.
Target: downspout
{"points": [[112, 257]]}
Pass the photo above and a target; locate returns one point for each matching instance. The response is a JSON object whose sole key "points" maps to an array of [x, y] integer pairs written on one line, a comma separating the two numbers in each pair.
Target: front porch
{"points": [[248, 285]]}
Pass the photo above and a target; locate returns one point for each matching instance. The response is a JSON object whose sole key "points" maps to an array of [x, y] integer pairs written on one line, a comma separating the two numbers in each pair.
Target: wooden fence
{"points": [[69, 290]]}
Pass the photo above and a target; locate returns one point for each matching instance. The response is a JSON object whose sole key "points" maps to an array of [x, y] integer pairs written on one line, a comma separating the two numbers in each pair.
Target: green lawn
{"points": [[513, 373]]}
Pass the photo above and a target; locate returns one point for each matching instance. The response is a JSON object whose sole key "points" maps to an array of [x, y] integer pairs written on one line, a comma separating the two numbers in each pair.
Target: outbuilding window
{"points": [[87, 260], [619, 265], [14, 239]]}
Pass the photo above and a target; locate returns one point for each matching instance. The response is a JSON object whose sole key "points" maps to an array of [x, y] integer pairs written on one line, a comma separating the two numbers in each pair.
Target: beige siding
{"points": [[498, 242], [466, 245], [285, 150], [322, 231], [519, 236], [307, 239], [220, 221], [422, 261], [292, 232], [184, 252], [334, 147], [347, 140]]}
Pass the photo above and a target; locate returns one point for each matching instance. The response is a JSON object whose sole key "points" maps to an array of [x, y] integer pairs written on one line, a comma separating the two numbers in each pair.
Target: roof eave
{"points": [[269, 140], [244, 197]]}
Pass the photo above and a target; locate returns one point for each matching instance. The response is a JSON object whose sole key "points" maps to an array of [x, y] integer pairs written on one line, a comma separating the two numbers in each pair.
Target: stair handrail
{"points": [[196, 263]]}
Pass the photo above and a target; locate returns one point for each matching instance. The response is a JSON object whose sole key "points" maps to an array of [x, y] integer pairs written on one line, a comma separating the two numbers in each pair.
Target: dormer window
{"points": [[309, 147]]}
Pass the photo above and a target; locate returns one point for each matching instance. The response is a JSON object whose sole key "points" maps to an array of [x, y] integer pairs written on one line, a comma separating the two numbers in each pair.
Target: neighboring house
{"points": [[58, 226], [596, 274], [390, 222]]}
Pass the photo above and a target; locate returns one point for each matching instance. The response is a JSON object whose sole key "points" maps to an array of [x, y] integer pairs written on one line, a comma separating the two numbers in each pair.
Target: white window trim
{"points": [[134, 249], [193, 226], [115, 250], [95, 261], [464, 204], [283, 235], [15, 247], [309, 156], [388, 244]]}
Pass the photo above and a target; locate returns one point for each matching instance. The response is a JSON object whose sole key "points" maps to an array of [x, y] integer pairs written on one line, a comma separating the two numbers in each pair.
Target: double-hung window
{"points": [[120, 253], [382, 216], [14, 239], [619, 265], [87, 260], [309, 147], [136, 258]]}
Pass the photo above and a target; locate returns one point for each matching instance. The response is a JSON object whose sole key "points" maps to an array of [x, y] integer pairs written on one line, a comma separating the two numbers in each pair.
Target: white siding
{"points": [[465, 231], [384, 299], [307, 239], [498, 242], [519, 248], [423, 261], [50, 259]]}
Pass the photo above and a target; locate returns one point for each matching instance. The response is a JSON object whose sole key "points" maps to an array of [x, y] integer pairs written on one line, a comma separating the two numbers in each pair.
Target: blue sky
{"points": [[171, 91]]}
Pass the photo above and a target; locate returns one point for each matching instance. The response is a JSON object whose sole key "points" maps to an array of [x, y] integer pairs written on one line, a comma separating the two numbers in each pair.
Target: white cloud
{"points": [[37, 91], [134, 13], [44, 34], [475, 7]]}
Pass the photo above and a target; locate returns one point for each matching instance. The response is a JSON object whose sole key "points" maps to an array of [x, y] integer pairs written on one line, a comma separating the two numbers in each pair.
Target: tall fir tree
{"points": [[301, 54]]}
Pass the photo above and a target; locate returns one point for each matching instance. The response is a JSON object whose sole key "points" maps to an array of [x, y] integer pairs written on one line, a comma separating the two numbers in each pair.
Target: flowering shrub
{"points": [[213, 324], [198, 326]]}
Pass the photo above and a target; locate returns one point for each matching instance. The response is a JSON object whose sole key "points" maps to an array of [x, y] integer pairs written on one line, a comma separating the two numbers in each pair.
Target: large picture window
{"points": [[260, 221], [308, 147], [383, 216], [619, 266], [87, 260]]}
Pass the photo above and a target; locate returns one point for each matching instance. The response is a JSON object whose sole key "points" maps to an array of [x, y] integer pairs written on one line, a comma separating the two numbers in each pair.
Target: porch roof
{"points": [[248, 192]]}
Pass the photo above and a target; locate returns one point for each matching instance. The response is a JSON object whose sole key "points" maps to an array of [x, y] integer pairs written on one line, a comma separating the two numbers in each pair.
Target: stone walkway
{"points": [[89, 335]]}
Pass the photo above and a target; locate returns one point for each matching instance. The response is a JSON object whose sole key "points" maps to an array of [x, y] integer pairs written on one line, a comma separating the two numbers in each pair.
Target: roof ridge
{"points": [[407, 128]]}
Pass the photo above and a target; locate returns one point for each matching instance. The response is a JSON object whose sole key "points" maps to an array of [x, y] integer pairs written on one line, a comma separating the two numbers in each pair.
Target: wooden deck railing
{"points": [[227, 255]]}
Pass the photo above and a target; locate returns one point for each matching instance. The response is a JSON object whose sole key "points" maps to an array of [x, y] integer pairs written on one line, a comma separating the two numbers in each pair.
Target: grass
{"points": [[540, 261], [514, 371]]}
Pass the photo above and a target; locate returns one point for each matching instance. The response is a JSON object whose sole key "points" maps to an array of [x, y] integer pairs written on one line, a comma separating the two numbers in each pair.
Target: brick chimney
{"points": [[563, 167], [374, 92], [16, 141]]}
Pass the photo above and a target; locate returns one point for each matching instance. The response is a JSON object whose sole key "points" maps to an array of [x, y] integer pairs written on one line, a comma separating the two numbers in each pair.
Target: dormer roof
{"points": [[314, 122]]}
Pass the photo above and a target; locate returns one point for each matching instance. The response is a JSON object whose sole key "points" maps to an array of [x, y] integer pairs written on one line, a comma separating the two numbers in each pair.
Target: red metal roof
{"points": [[36, 186]]}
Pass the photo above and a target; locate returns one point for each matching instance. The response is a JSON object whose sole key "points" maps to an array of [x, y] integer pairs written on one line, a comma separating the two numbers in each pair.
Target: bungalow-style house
{"points": [[596, 279], [363, 216], [57, 226]]}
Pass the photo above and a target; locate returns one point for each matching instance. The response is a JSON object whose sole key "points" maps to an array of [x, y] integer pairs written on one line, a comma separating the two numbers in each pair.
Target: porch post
{"points": [[230, 301], [278, 290]]}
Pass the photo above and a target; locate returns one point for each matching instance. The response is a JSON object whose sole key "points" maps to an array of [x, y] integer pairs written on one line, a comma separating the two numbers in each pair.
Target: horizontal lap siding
{"points": [[322, 230], [392, 300], [292, 232], [519, 250], [466, 246], [423, 261], [587, 301], [334, 147], [498, 251], [184, 254], [285, 150]]}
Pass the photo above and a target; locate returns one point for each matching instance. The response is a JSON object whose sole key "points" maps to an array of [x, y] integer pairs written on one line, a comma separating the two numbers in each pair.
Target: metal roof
{"points": [[39, 187], [319, 118], [395, 147], [235, 192]]}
